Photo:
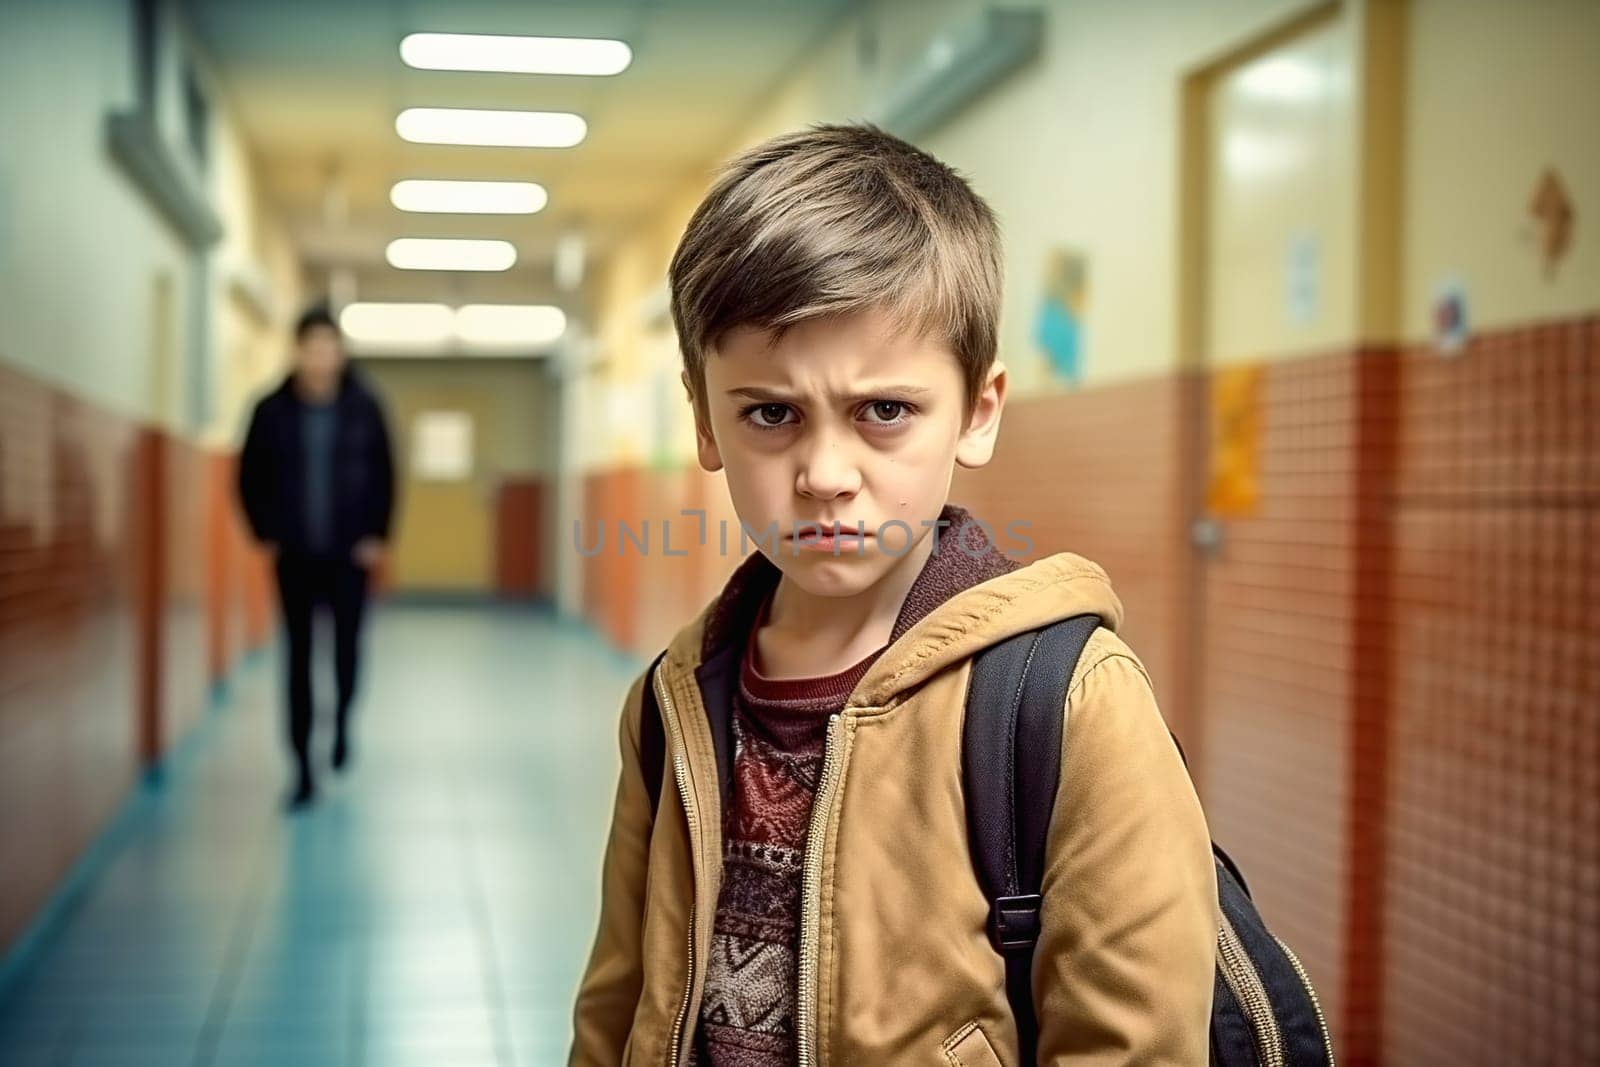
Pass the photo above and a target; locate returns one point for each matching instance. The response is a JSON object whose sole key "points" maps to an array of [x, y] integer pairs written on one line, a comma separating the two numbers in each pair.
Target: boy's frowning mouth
{"points": [[810, 531], [828, 536]]}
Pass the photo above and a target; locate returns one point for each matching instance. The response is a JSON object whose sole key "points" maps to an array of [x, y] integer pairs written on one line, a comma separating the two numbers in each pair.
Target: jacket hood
{"points": [[1047, 590]]}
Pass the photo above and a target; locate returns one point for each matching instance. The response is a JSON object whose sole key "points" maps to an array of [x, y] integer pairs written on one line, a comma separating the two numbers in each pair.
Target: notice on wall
{"points": [[1303, 279], [441, 446], [1234, 489], [1450, 326]]}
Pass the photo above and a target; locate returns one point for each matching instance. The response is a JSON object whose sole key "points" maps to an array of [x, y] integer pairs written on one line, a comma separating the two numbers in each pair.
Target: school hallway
{"points": [[434, 906], [1298, 303]]}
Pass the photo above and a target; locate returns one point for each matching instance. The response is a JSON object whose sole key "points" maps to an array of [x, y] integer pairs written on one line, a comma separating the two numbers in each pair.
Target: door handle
{"points": [[1206, 534]]}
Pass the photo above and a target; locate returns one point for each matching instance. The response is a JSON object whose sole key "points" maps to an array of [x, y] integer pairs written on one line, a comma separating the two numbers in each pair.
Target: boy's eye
{"points": [[768, 416], [887, 412]]}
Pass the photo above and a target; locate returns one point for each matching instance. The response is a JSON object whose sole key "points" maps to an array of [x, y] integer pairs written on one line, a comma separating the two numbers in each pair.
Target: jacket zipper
{"points": [[811, 901], [680, 771], [1316, 1005], [1245, 982]]}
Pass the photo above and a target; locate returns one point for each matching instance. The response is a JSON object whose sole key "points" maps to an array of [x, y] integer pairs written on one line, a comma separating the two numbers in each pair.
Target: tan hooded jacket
{"points": [[895, 963]]}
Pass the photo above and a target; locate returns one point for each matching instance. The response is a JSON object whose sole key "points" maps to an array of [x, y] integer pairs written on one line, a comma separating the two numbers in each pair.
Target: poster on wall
{"points": [[1554, 216], [1234, 489], [1059, 325], [441, 446]]}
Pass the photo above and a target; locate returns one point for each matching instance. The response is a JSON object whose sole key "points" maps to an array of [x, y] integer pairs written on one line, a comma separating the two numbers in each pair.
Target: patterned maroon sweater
{"points": [[748, 1010]]}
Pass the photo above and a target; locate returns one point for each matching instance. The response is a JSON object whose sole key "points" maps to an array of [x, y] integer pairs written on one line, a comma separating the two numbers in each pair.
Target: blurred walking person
{"points": [[316, 479]]}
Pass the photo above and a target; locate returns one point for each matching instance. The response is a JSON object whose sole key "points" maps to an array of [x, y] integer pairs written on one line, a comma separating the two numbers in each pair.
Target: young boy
{"points": [[804, 892]]}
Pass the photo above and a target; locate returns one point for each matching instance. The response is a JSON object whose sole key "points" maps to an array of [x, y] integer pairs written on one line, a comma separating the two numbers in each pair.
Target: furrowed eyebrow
{"points": [[773, 396]]}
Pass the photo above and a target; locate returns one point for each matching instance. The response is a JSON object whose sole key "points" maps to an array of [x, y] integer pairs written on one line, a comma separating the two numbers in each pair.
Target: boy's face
{"points": [[842, 420]]}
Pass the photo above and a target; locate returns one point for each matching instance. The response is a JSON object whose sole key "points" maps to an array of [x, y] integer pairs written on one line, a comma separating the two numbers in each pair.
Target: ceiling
{"points": [[317, 84]]}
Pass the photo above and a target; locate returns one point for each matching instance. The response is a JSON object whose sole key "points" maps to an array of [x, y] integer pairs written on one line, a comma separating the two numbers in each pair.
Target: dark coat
{"points": [[272, 468]]}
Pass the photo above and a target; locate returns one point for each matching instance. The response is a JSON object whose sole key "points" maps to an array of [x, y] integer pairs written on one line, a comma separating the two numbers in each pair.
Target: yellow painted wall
{"points": [[1079, 149], [1498, 92], [1082, 151], [444, 535], [633, 402]]}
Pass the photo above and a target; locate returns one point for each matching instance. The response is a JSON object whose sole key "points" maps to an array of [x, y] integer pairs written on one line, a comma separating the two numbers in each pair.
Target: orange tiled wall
{"points": [[1492, 911], [610, 576], [185, 638], [1396, 714], [1097, 473], [1249, 651], [1275, 617], [69, 650], [639, 599], [106, 602], [239, 590]]}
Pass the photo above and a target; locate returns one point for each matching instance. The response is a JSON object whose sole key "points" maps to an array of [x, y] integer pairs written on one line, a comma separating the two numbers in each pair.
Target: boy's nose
{"points": [[827, 473]]}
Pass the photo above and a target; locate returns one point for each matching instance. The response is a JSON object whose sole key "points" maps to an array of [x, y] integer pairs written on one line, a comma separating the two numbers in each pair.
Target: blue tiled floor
{"points": [[435, 907]]}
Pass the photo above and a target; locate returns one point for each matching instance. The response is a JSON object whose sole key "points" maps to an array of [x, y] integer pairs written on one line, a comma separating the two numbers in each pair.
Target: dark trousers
{"points": [[303, 584]]}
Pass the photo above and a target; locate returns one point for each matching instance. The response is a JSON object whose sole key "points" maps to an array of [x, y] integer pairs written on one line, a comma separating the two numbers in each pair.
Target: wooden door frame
{"points": [[1194, 361]]}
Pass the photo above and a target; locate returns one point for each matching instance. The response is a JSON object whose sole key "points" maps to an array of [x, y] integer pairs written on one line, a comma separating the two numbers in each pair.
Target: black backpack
{"points": [[1264, 1010]]}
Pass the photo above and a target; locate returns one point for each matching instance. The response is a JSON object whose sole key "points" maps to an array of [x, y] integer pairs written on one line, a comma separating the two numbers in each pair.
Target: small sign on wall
{"points": [[1450, 326], [1303, 279], [441, 446]]}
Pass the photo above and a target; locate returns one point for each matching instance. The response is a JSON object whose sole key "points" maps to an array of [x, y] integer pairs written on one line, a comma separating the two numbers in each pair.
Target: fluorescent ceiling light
{"points": [[469, 198], [515, 55], [407, 325], [518, 325], [1283, 78], [501, 129], [424, 253], [437, 329]]}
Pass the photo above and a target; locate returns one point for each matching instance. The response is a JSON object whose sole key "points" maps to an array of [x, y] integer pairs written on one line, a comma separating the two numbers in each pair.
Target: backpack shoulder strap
{"points": [[652, 737], [1011, 766]]}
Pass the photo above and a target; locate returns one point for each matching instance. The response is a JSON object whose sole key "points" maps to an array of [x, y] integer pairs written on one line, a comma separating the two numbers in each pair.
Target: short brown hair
{"points": [[832, 220]]}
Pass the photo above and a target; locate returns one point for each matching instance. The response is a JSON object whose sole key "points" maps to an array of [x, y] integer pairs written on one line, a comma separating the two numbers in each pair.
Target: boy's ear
{"points": [[976, 446], [705, 444]]}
